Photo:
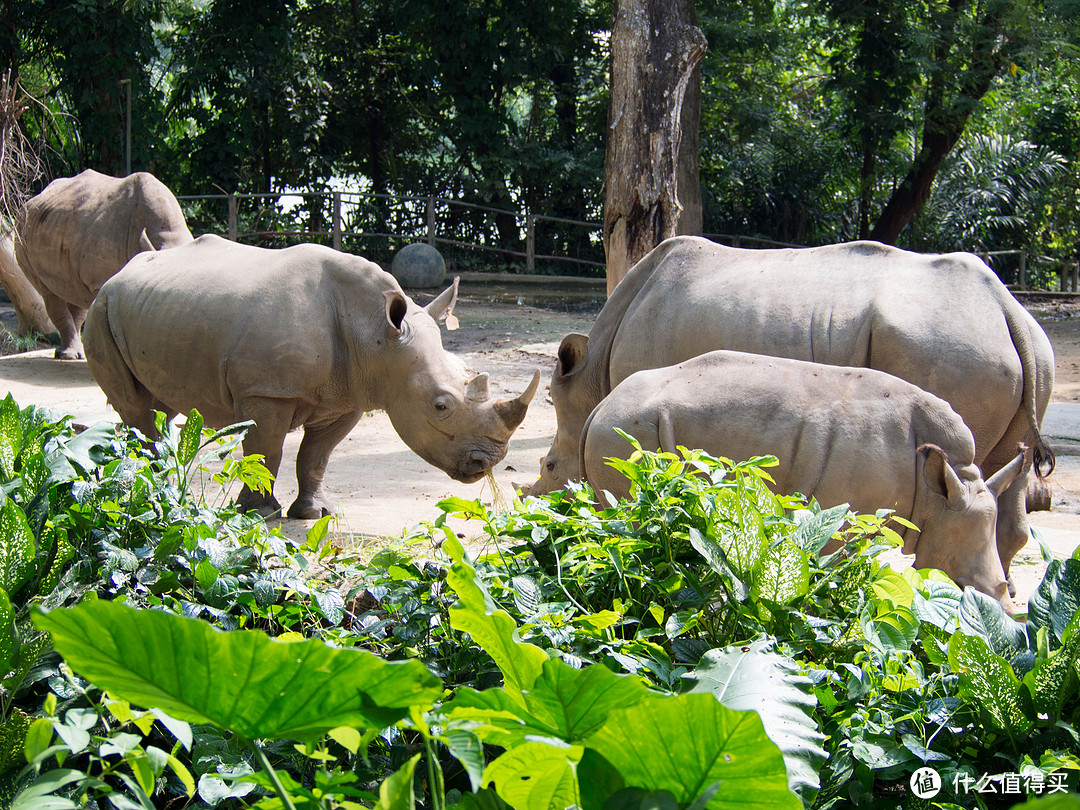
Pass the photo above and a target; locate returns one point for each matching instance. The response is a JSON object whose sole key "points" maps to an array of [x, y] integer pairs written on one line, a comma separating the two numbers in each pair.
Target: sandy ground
{"points": [[383, 488]]}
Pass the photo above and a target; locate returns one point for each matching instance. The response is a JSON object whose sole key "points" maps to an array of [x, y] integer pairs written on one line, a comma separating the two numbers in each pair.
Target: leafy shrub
{"points": [[556, 664]]}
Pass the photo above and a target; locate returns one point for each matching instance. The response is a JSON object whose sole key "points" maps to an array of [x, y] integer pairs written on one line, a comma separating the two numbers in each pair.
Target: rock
{"points": [[418, 265]]}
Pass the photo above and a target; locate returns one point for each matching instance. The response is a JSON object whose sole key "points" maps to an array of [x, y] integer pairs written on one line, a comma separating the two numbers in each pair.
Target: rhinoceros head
{"points": [[444, 414], [574, 394], [957, 510]]}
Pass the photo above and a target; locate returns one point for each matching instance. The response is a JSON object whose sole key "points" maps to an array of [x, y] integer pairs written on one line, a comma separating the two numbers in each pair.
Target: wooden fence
{"points": [[377, 224]]}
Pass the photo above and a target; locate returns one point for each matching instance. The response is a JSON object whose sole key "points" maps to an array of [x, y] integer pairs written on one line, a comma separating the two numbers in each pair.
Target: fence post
{"points": [[336, 229], [1023, 270], [233, 232], [530, 242], [1075, 276], [431, 221]]}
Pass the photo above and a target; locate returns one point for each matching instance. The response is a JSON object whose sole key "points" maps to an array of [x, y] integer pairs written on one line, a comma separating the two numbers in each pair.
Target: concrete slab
{"points": [[1062, 422]]}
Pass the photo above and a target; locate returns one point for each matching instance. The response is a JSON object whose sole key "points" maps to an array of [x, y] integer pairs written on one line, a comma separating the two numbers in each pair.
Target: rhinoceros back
{"points": [[936, 322], [200, 325], [81, 230]]}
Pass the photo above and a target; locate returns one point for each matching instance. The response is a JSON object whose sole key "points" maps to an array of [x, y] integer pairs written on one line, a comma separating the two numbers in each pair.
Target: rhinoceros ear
{"points": [[939, 476], [144, 243], [999, 481], [443, 305], [397, 306], [573, 352]]}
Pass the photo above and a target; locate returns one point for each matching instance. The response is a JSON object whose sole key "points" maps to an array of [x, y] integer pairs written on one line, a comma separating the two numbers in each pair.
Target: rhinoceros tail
{"points": [[1038, 378]]}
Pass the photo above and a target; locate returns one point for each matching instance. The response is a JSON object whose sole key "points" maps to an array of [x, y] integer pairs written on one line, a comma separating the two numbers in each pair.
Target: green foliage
{"points": [[549, 672], [753, 677], [245, 682]]}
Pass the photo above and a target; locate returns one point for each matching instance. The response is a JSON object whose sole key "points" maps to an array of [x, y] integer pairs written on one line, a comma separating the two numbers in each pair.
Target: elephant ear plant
{"points": [[242, 682], [585, 737]]}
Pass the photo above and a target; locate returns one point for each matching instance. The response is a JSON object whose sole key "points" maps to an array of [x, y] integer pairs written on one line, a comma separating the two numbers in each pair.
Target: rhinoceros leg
{"points": [[68, 320], [273, 418], [320, 438]]}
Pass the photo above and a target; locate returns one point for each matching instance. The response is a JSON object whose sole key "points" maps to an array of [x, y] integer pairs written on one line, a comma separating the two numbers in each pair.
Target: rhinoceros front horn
{"points": [[512, 411]]}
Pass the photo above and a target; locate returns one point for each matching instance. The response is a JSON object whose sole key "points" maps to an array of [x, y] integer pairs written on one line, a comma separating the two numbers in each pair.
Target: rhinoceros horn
{"points": [[512, 411], [477, 389]]}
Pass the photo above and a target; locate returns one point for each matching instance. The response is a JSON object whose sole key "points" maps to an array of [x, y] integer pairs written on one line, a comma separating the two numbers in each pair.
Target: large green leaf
{"points": [[38, 795], [751, 677], [938, 604], [70, 456], [1053, 680], [536, 776], [493, 629], [190, 438], [243, 680], [817, 528], [11, 435], [784, 574], [686, 744], [742, 533], [989, 682], [396, 791], [564, 703], [889, 626], [17, 548], [9, 637], [982, 615], [1056, 600]]}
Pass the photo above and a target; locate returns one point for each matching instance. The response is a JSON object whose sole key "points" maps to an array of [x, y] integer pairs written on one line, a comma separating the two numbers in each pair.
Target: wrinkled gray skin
{"points": [[304, 336], [29, 308], [842, 435], [81, 230], [944, 323]]}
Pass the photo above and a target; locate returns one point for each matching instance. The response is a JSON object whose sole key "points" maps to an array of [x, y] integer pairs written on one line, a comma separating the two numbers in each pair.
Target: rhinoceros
{"points": [[29, 308], [944, 323], [305, 336], [81, 230], [842, 435]]}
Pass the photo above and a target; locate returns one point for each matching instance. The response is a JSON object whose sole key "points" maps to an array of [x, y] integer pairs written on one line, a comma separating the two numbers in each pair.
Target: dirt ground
{"points": [[383, 488]]}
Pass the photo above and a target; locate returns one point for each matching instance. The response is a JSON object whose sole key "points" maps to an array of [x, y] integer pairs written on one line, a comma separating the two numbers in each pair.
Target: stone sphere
{"points": [[418, 265]]}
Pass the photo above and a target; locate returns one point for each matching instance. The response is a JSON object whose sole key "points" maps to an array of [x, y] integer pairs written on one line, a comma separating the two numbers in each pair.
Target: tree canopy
{"points": [[931, 124]]}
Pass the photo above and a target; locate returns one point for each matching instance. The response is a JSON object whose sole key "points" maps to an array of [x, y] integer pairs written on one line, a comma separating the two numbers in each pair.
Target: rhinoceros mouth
{"points": [[476, 463]]}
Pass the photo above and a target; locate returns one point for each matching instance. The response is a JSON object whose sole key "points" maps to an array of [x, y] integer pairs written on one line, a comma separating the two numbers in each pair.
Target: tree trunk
{"points": [[911, 195], [946, 118], [688, 179], [654, 50]]}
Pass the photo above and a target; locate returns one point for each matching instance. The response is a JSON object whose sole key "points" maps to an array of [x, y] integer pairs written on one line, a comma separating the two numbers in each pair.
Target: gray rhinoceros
{"points": [[81, 230], [944, 323], [842, 435], [29, 308], [299, 336]]}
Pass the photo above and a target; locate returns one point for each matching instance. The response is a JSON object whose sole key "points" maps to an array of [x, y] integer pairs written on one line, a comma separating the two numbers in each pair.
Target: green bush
{"points": [[602, 658]]}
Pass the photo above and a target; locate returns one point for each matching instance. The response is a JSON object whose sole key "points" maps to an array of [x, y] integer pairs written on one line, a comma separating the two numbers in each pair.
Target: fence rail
{"points": [[342, 216], [376, 222]]}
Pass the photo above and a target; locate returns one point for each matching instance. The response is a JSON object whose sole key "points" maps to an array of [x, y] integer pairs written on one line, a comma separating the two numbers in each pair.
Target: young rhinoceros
{"points": [[300, 336], [80, 230], [842, 435]]}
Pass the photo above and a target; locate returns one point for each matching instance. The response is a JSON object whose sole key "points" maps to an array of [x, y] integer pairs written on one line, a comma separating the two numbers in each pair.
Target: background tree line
{"points": [[933, 124]]}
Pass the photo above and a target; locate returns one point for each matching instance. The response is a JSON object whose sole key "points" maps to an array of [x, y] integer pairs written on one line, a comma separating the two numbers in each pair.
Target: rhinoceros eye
{"points": [[442, 404]]}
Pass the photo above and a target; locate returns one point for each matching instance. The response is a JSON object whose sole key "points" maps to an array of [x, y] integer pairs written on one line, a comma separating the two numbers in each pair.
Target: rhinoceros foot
{"points": [[265, 505], [69, 354], [1039, 495], [311, 508]]}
